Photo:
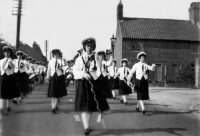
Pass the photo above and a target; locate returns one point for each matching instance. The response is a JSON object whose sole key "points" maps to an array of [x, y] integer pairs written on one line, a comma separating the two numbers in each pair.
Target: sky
{"points": [[65, 23]]}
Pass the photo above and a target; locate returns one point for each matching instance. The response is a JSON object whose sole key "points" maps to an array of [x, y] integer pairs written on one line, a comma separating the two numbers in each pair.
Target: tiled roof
{"points": [[159, 29]]}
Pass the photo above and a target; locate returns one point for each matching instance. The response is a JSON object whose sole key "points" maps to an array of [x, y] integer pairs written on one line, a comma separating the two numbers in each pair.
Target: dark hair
{"points": [[54, 51], [102, 53], [89, 41]]}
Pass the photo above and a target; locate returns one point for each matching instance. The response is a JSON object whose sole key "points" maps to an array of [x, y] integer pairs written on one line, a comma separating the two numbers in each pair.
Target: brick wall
{"points": [[161, 52]]}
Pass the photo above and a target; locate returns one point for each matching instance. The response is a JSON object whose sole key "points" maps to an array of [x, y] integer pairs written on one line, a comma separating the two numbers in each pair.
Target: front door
{"points": [[158, 72]]}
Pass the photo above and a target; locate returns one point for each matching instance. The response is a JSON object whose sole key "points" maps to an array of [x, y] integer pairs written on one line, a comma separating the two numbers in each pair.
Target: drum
{"points": [[33, 79], [32, 76]]}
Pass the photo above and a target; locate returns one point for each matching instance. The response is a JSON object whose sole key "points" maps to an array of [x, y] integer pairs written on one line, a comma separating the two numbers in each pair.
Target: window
{"points": [[192, 65], [177, 65], [137, 46], [194, 48]]}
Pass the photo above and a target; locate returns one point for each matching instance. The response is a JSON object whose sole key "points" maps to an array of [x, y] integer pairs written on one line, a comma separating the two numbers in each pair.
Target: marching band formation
{"points": [[96, 80], [18, 76]]}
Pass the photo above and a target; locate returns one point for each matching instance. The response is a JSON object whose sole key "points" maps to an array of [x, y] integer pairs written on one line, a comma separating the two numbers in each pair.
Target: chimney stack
{"points": [[194, 13]]}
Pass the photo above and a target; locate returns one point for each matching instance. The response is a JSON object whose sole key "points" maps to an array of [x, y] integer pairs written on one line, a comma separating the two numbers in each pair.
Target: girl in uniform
{"points": [[20, 72], [141, 83], [25, 56], [124, 89], [43, 71], [113, 83], [102, 73], [30, 73], [8, 89], [88, 98], [55, 75]]}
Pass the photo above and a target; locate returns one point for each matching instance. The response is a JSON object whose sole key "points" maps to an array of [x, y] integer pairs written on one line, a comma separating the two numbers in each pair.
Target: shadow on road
{"points": [[148, 113], [101, 132]]}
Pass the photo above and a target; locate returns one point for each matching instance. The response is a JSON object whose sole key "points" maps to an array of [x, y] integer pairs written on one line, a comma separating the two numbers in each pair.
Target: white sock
{"points": [[138, 104], [113, 93], [56, 102], [85, 119], [52, 103], [124, 98], [142, 105]]}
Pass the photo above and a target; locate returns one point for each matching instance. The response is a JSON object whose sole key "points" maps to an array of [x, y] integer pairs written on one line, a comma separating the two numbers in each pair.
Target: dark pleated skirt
{"points": [[142, 89], [103, 85], [22, 82], [85, 101], [57, 88], [114, 83], [8, 88], [124, 89], [42, 75]]}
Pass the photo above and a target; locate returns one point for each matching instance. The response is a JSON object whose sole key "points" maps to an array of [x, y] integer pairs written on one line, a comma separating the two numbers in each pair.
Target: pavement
{"points": [[182, 99], [170, 112]]}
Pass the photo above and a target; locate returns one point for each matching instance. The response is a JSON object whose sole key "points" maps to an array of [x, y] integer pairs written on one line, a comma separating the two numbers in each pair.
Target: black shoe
{"points": [[114, 98], [137, 109], [56, 108], [126, 103], [87, 131], [121, 101], [144, 111], [8, 109], [20, 101], [14, 101], [54, 111]]}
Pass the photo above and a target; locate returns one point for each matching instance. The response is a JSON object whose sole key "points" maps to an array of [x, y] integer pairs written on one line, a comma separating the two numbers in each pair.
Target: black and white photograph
{"points": [[99, 67]]}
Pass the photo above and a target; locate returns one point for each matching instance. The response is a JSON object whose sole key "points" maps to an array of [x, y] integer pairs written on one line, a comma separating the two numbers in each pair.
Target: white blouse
{"points": [[102, 68], [141, 70], [112, 71], [30, 68], [6, 66], [123, 72], [55, 65], [79, 67], [20, 65]]}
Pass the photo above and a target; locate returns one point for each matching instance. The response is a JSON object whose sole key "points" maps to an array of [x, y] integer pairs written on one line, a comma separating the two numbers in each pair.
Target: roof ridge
{"points": [[168, 29], [137, 18]]}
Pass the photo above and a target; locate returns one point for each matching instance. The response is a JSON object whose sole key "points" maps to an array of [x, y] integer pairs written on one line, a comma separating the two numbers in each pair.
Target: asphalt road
{"points": [[34, 118]]}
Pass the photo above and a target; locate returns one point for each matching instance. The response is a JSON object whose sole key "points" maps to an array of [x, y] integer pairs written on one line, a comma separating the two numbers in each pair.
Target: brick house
{"points": [[170, 44]]}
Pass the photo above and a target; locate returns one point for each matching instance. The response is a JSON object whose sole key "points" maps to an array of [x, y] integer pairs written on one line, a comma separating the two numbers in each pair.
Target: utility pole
{"points": [[46, 47], [18, 14]]}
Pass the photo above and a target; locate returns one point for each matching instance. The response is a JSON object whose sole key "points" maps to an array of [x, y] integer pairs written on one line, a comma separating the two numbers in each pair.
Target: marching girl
{"points": [[25, 56], [124, 89], [43, 71], [38, 71], [8, 89], [141, 83], [29, 68], [20, 71], [30, 72], [102, 73], [114, 83], [68, 75], [55, 75], [88, 98]]}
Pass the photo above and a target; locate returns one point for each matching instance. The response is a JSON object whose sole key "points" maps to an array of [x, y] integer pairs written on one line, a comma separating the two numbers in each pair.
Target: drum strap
{"points": [[56, 64], [6, 62], [87, 64], [19, 63]]}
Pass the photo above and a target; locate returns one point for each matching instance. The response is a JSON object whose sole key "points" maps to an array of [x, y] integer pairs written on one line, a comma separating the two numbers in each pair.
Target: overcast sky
{"points": [[65, 23]]}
